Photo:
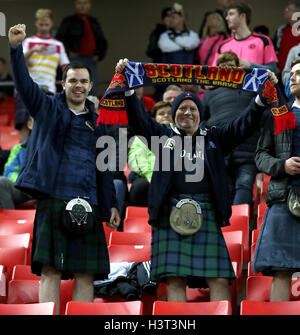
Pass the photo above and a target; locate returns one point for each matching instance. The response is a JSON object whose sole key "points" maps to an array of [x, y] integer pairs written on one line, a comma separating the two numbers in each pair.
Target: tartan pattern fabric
{"points": [[69, 254], [203, 254], [76, 176]]}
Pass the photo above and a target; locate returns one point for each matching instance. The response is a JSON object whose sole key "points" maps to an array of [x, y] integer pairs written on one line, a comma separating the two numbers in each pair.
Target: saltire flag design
{"points": [[136, 74]]}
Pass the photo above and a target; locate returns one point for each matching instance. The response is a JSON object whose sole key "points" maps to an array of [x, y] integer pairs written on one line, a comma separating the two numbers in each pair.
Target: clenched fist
{"points": [[16, 35]]}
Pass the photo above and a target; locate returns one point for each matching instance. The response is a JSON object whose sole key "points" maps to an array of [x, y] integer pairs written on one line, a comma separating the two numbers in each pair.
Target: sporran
{"points": [[186, 217], [78, 217]]}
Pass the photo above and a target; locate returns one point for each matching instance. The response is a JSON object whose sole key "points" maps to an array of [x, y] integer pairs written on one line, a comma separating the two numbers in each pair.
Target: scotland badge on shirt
{"points": [[134, 73]]}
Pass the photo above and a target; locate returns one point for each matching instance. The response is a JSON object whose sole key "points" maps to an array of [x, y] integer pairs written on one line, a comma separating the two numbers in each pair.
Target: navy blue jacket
{"points": [[52, 117], [219, 141]]}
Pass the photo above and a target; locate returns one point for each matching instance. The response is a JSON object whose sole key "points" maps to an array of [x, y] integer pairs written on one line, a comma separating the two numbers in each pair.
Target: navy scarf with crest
{"points": [[113, 103]]}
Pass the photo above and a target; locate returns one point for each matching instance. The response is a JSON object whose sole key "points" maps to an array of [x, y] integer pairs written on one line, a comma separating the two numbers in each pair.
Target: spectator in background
{"points": [[43, 55], [212, 33], [284, 38], [141, 159], [83, 38], [221, 106], [153, 50], [253, 50], [5, 91], [9, 195], [178, 44], [171, 93]]}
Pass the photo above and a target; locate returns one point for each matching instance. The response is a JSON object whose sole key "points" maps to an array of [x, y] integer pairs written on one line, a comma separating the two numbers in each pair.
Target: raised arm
{"points": [[140, 120], [33, 97], [235, 132]]}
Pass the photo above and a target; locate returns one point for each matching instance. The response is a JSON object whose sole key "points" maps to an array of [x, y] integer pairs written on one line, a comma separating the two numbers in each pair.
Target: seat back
{"points": [[104, 308], [23, 272], [15, 240], [135, 211], [10, 227], [136, 225], [270, 308], [129, 253], [45, 308], [117, 237], [191, 308], [17, 214], [242, 210], [27, 291], [9, 257]]}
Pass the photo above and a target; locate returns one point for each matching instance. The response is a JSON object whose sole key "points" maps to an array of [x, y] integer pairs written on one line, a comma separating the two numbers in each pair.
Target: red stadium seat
{"points": [[258, 288], [136, 225], [238, 222], [2, 285], [250, 272], [134, 211], [263, 189], [16, 240], [261, 209], [117, 237], [234, 236], [23, 272], [129, 253], [255, 234], [191, 308], [270, 308], [7, 111], [104, 308], [27, 292], [10, 227], [241, 210], [107, 231], [9, 257], [45, 308], [9, 137], [17, 215]]}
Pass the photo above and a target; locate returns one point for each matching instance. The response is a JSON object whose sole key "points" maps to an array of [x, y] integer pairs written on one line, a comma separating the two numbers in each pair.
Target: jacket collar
{"points": [[88, 104], [178, 131]]}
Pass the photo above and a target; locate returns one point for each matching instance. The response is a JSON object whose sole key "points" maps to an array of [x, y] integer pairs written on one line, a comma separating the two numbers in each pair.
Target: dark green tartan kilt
{"points": [[53, 245], [195, 257]]}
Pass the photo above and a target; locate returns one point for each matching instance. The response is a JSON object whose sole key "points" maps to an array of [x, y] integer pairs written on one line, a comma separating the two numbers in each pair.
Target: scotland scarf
{"points": [[113, 104]]}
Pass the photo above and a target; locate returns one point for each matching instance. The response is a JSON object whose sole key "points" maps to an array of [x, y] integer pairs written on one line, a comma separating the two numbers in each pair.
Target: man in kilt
{"points": [[188, 247], [59, 169]]}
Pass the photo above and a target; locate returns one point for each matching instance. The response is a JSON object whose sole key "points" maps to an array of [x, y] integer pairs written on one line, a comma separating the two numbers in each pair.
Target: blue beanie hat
{"points": [[186, 96]]}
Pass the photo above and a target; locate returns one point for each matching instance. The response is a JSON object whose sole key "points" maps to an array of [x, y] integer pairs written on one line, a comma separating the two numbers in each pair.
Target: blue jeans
{"points": [[121, 190], [92, 64], [244, 179]]}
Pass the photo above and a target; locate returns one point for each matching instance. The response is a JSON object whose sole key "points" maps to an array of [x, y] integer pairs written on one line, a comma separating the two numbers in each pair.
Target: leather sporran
{"points": [[78, 217], [293, 201], [186, 217]]}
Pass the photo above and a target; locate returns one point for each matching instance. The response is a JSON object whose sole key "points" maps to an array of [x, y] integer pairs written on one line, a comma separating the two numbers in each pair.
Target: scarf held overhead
{"points": [[113, 103]]}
